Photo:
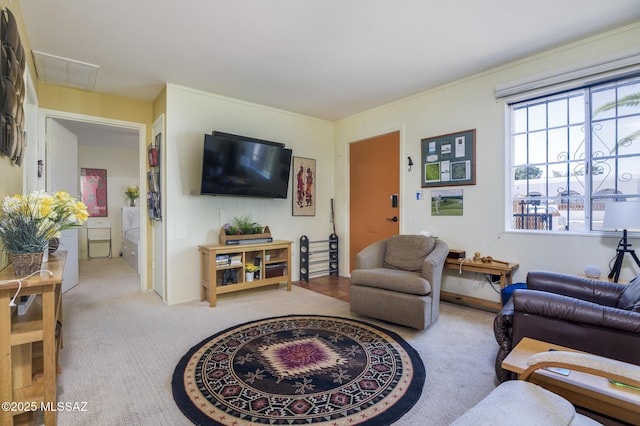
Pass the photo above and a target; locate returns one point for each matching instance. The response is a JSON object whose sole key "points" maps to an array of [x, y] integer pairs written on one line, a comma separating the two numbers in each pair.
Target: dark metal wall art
{"points": [[12, 88]]}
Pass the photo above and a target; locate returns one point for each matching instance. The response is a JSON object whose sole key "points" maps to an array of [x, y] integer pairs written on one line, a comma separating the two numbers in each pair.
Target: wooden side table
{"points": [[29, 344], [504, 271], [585, 390]]}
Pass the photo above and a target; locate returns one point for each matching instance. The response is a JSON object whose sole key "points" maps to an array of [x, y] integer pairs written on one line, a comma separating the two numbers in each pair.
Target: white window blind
{"points": [[571, 78]]}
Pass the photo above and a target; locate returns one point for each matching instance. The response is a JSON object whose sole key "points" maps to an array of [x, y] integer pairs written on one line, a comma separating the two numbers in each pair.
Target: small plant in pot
{"points": [[243, 225], [132, 193], [229, 229], [250, 267], [250, 271]]}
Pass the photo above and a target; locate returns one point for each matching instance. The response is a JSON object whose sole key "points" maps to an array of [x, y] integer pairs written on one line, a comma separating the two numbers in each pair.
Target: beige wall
{"points": [[471, 104], [191, 219], [95, 104], [160, 104], [10, 174], [68, 100], [122, 171]]}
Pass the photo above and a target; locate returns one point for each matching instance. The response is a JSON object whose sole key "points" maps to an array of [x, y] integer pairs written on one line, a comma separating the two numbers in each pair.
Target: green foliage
{"points": [[528, 172], [631, 100], [22, 234], [243, 225], [30, 221]]}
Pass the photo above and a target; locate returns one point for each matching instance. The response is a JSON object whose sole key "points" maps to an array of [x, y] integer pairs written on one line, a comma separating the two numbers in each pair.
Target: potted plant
{"points": [[243, 225], [250, 271], [30, 221], [132, 193], [267, 255]]}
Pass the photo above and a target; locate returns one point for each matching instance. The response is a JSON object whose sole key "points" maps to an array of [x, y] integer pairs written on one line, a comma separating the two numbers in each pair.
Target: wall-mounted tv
{"points": [[242, 166]]}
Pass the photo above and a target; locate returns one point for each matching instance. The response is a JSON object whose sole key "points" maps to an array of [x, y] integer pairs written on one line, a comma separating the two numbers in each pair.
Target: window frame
{"points": [[589, 161]]}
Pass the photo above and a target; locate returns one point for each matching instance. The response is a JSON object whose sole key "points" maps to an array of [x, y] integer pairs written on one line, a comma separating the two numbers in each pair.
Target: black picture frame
{"points": [[449, 159]]}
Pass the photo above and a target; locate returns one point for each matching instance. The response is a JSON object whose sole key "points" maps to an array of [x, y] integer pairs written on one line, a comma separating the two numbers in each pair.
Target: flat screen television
{"points": [[242, 166]]}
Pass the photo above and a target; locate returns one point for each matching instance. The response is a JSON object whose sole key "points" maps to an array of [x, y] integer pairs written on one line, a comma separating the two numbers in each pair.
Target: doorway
{"points": [[105, 133], [374, 205]]}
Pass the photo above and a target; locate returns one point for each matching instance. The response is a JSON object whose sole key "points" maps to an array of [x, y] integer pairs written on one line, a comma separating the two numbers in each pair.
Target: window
{"points": [[571, 153]]}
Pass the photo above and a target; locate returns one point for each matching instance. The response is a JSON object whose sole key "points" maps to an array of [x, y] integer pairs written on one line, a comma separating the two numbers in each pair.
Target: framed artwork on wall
{"points": [[447, 202], [304, 187], [93, 183]]}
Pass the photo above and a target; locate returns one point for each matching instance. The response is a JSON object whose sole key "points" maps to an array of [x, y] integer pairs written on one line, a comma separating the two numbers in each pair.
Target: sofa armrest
{"points": [[502, 324], [502, 327], [569, 309], [434, 262], [618, 371], [371, 256], [596, 291]]}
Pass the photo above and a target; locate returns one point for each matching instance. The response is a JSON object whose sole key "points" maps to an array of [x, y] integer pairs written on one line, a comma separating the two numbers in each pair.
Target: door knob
{"points": [[392, 219]]}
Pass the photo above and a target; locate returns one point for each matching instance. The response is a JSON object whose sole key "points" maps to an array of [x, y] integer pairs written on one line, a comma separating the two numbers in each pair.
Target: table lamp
{"points": [[622, 215]]}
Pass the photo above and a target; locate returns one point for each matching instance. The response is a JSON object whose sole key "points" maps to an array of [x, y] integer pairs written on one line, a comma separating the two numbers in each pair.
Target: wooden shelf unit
{"points": [[273, 271], [504, 271], [30, 343]]}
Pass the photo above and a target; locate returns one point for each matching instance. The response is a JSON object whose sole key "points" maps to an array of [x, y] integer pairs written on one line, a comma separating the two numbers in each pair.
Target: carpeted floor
{"points": [[121, 347]]}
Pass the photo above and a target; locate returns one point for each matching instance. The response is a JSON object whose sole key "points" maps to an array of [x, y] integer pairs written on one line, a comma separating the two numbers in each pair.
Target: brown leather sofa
{"points": [[594, 316]]}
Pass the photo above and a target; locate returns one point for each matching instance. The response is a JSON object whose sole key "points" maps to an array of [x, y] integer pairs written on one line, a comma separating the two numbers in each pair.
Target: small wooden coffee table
{"points": [[504, 270], [584, 390]]}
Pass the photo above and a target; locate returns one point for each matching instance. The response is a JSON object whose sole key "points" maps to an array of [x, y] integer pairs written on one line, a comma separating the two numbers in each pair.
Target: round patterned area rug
{"points": [[299, 369]]}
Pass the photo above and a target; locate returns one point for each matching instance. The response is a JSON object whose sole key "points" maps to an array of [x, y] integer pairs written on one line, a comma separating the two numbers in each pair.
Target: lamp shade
{"points": [[622, 215]]}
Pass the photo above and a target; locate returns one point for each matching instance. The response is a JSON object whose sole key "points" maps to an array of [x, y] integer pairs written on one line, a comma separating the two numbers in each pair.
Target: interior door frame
{"points": [[62, 146], [401, 206], [44, 114]]}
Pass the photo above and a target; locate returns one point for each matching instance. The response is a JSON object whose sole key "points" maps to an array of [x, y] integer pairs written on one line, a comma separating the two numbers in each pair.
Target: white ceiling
{"points": [[102, 134], [323, 58]]}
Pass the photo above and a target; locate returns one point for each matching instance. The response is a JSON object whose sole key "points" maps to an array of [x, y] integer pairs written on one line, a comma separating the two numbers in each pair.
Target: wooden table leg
{"points": [[6, 385], [48, 352]]}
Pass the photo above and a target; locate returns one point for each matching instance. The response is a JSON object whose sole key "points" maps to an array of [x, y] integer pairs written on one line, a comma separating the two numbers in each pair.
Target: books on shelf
{"points": [[229, 260]]}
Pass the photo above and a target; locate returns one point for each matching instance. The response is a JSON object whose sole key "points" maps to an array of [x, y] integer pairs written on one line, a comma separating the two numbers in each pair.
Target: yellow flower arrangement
{"points": [[132, 193], [250, 267], [30, 221]]}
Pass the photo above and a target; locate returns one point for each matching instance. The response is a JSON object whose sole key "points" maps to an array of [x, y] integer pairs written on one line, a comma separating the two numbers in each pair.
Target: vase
{"points": [[248, 276], [25, 264], [54, 243], [132, 203]]}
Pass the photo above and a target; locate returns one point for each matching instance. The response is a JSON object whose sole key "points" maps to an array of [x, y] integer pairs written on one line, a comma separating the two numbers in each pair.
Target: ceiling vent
{"points": [[65, 72]]}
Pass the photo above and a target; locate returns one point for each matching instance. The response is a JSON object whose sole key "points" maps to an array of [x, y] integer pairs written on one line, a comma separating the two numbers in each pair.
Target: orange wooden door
{"points": [[374, 171]]}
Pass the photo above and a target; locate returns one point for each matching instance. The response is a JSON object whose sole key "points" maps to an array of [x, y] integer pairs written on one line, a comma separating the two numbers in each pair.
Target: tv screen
{"points": [[241, 166]]}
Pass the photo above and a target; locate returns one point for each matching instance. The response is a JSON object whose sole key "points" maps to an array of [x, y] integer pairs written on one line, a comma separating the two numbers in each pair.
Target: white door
{"points": [[62, 175]]}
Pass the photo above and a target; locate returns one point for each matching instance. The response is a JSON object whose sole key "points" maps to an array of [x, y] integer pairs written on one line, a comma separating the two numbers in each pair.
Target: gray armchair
{"points": [[398, 280]]}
